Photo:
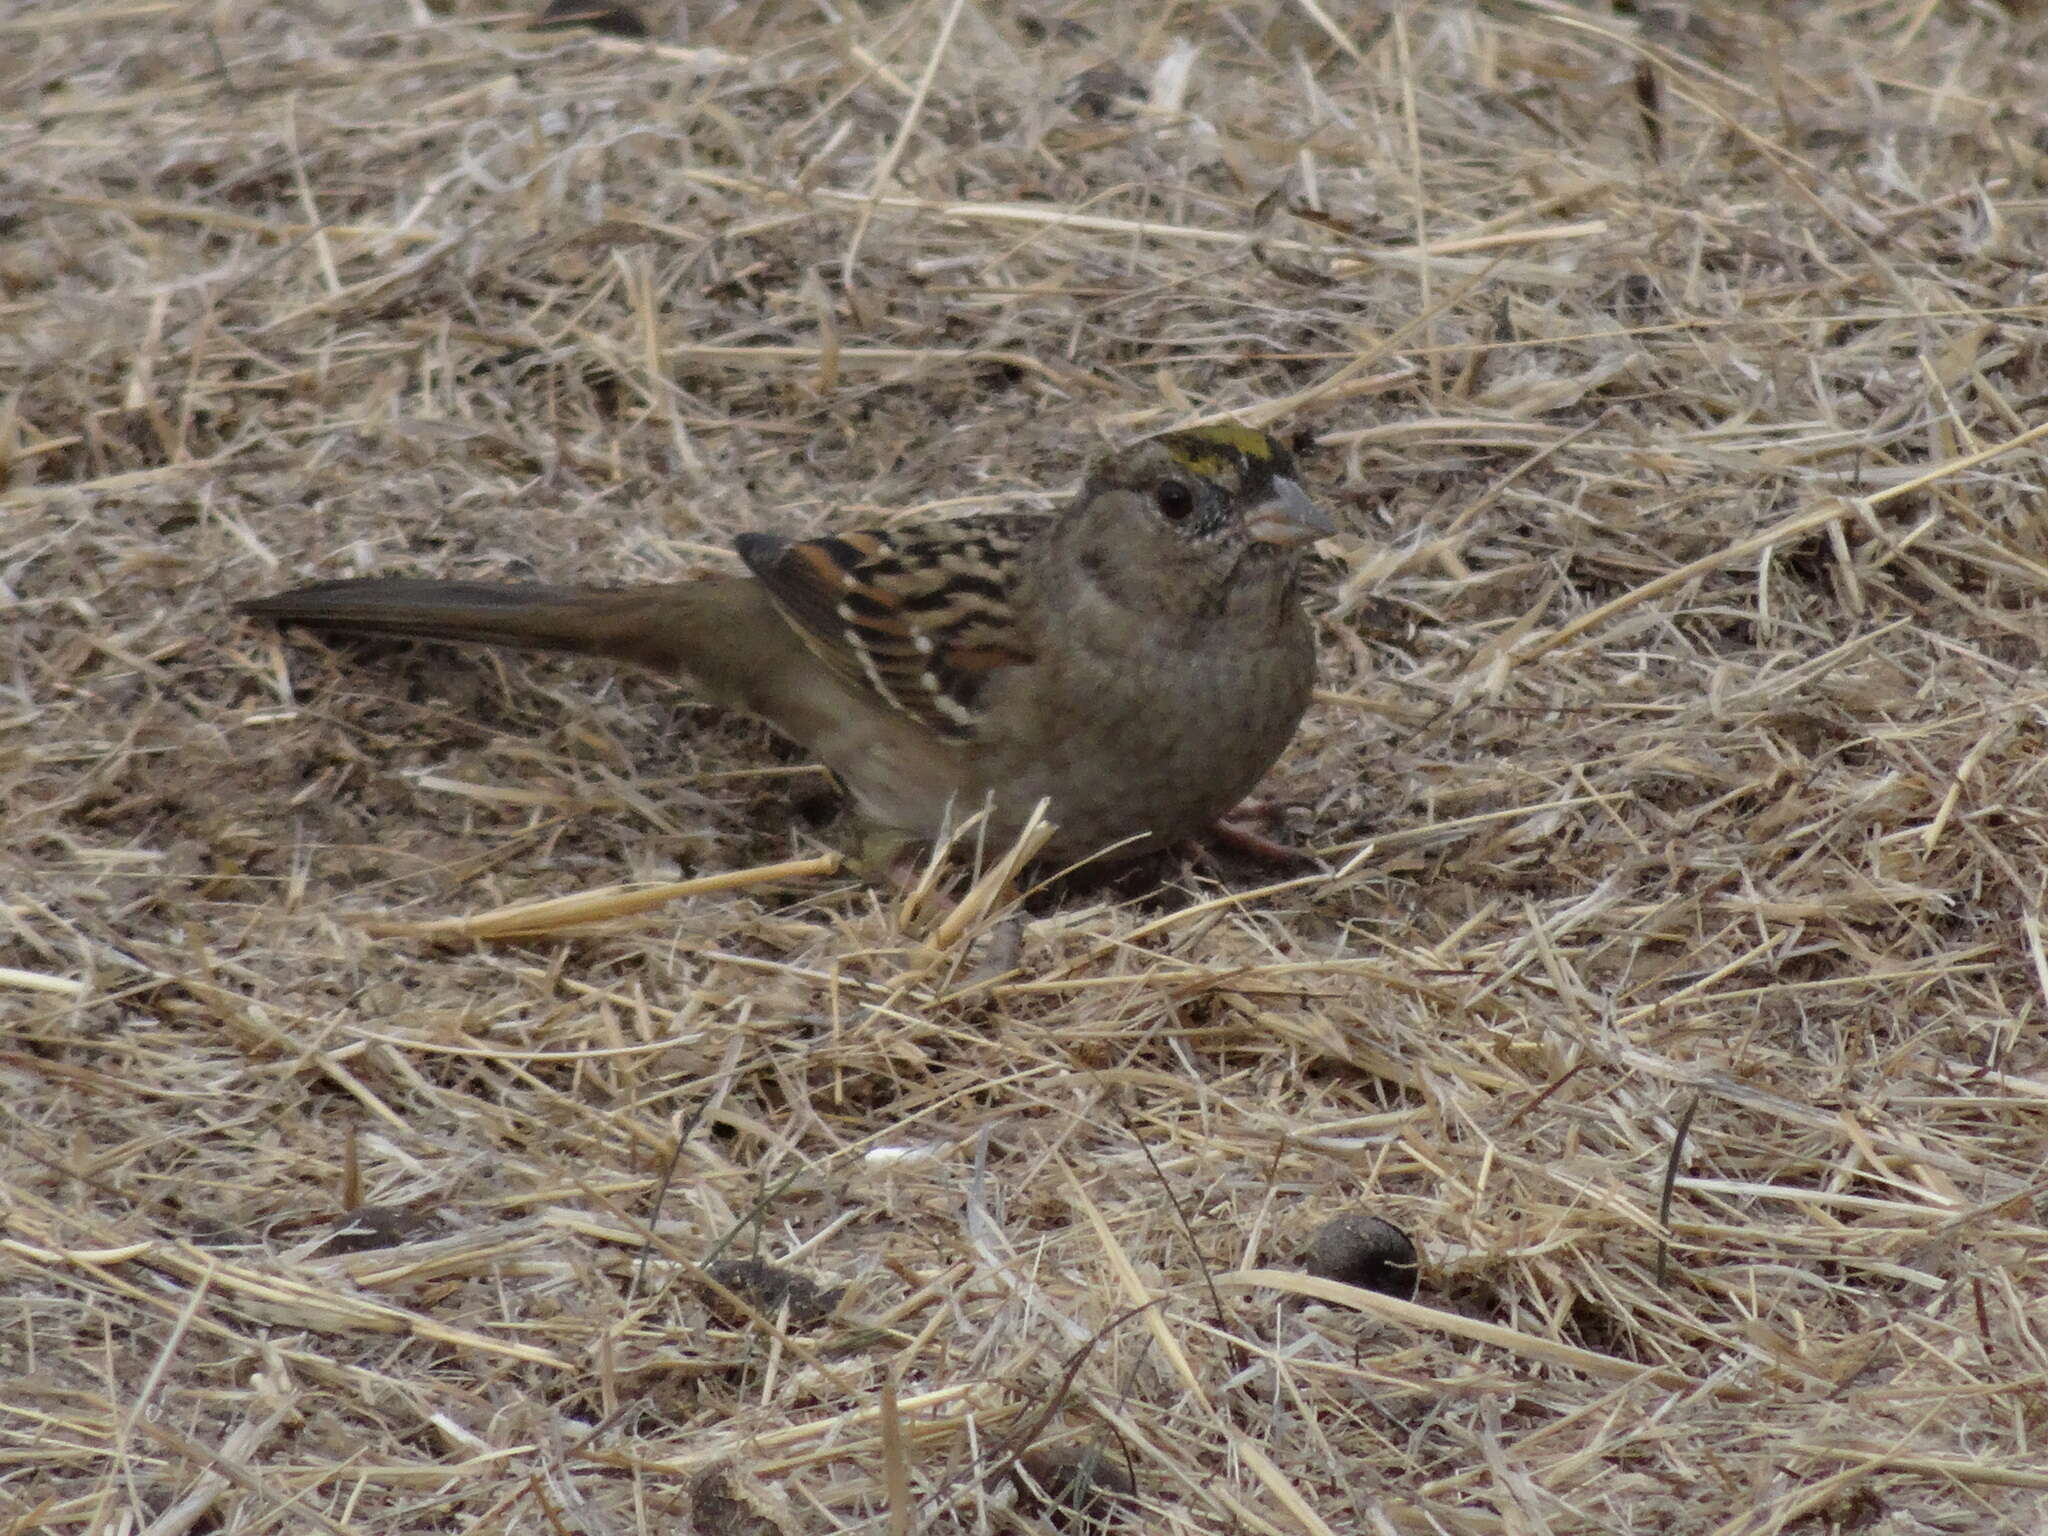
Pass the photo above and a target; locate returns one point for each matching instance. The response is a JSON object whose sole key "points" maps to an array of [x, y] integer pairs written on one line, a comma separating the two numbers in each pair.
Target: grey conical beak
{"points": [[1288, 518]]}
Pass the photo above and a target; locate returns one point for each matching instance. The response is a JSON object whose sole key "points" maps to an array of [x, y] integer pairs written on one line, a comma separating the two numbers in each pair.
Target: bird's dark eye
{"points": [[1176, 501]]}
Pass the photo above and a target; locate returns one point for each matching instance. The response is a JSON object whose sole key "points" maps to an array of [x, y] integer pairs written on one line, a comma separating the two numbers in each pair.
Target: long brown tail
{"points": [[707, 627]]}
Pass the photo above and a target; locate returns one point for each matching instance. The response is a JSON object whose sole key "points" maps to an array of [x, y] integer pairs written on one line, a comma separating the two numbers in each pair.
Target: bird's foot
{"points": [[1254, 847]]}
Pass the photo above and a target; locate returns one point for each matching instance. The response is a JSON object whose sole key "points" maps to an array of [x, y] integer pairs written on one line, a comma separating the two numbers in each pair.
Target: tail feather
{"points": [[680, 627]]}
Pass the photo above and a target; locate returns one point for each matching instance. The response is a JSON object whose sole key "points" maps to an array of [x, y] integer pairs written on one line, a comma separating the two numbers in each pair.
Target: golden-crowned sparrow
{"points": [[1140, 659]]}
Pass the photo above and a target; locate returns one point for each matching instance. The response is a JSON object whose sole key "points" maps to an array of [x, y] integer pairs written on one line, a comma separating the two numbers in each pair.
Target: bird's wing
{"points": [[918, 618]]}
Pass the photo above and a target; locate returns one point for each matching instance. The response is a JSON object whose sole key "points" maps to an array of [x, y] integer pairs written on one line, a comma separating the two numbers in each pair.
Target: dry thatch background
{"points": [[1681, 755]]}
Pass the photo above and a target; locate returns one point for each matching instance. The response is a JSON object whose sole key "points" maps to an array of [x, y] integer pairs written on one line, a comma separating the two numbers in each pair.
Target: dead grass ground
{"points": [[1681, 756]]}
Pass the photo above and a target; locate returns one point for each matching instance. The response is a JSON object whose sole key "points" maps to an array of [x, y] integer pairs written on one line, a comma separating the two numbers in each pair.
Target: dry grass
{"points": [[1681, 756]]}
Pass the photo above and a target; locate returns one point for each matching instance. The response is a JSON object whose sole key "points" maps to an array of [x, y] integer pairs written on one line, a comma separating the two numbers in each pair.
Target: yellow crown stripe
{"points": [[1216, 452], [1251, 443]]}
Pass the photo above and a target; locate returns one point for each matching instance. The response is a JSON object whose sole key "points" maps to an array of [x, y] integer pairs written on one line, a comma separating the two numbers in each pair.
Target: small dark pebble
{"points": [[770, 1288], [719, 1506], [1367, 1251], [1036, 29], [1079, 1488], [598, 15], [1107, 90], [372, 1226]]}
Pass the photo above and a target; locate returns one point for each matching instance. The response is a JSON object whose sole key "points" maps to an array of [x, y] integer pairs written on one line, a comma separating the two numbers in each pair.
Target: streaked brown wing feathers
{"points": [[919, 619]]}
